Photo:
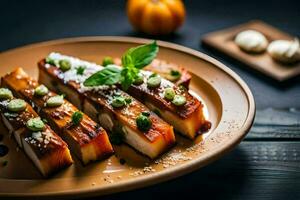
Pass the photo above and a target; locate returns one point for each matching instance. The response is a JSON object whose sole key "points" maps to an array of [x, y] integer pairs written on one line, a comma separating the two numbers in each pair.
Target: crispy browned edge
{"points": [[105, 149]]}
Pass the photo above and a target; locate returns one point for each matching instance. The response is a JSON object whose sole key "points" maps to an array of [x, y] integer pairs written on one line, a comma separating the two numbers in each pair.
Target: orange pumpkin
{"points": [[156, 17]]}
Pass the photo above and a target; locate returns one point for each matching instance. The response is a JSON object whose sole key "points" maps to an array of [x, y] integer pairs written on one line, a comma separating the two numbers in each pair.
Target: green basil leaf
{"points": [[110, 75], [128, 76], [140, 56]]}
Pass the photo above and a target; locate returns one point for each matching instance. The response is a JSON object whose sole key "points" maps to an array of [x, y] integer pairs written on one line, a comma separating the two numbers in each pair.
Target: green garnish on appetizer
{"points": [[55, 101], [41, 90], [77, 117], [107, 61], [154, 81], [16, 105], [80, 70], [35, 124], [143, 122], [64, 65], [179, 100], [133, 60], [5, 93], [169, 93]]}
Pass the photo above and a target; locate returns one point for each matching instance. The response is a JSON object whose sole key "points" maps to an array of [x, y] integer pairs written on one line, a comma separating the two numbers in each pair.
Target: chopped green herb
{"points": [[45, 120], [118, 102], [128, 100], [139, 79], [64, 65], [80, 70], [16, 105], [41, 90], [107, 61], [143, 123], [154, 81], [169, 93], [55, 101], [5, 93], [50, 61], [146, 113], [77, 117], [179, 100], [174, 75], [35, 124]]}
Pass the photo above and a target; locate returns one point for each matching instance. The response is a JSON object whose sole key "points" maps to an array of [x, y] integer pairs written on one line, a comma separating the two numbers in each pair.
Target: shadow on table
{"points": [[223, 179]]}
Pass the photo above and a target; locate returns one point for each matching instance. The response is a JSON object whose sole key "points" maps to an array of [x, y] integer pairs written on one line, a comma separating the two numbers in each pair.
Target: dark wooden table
{"points": [[266, 165]]}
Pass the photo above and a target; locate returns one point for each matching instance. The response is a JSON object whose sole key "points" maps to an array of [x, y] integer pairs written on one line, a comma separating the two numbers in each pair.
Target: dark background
{"points": [[238, 175]]}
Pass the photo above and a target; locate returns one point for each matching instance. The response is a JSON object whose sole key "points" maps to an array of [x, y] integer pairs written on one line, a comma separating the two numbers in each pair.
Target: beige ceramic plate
{"points": [[229, 105]]}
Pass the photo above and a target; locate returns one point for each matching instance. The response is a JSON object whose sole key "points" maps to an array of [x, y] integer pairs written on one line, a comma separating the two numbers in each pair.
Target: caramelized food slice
{"points": [[170, 71], [85, 137], [115, 110], [187, 117], [43, 146]]}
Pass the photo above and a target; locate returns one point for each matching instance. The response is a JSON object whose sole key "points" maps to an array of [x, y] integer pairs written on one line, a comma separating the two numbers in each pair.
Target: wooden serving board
{"points": [[223, 41]]}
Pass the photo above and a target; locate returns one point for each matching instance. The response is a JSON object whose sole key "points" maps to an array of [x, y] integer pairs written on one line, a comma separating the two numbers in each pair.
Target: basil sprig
{"points": [[133, 60]]}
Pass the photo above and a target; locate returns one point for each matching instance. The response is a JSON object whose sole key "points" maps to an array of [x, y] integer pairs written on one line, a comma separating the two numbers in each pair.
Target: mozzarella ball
{"points": [[285, 51], [251, 41]]}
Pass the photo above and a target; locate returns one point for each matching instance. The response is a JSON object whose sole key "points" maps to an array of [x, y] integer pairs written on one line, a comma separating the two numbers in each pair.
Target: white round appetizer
{"points": [[285, 51], [251, 41]]}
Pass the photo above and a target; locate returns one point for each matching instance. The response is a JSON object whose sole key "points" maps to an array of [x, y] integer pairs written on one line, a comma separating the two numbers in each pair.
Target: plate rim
{"points": [[171, 173]]}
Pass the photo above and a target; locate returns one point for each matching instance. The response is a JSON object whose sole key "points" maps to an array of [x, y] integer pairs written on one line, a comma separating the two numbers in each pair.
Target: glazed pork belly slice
{"points": [[166, 70], [188, 119], [45, 148], [96, 102], [87, 140]]}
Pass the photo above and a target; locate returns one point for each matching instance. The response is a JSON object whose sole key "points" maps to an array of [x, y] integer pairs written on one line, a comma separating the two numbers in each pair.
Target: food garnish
{"points": [[35, 124], [143, 122], [107, 61], [169, 93], [64, 65], [174, 75], [76, 117], [16, 105], [154, 81], [133, 60], [80, 70], [5, 93], [55, 101], [179, 100], [41, 90]]}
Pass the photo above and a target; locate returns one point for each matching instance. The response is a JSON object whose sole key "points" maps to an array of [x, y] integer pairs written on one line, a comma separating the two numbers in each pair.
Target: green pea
{"points": [[77, 117], [64, 65], [143, 122], [169, 94], [118, 102], [55, 101], [16, 105], [139, 79], [107, 61], [154, 81], [41, 90], [179, 100], [174, 75], [51, 61], [80, 70], [35, 124], [5, 93]]}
